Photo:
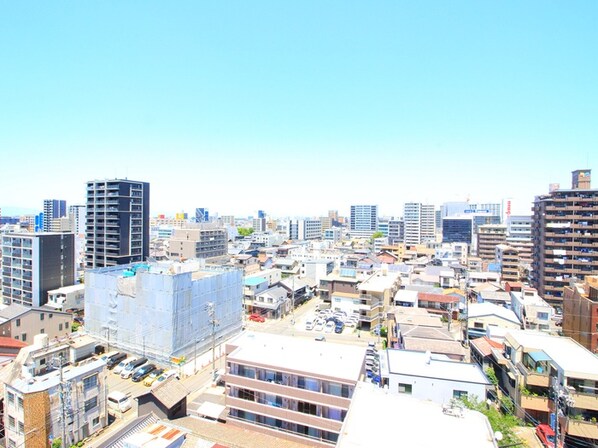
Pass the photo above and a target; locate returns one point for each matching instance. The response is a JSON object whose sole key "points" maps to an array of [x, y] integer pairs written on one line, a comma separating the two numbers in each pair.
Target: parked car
{"points": [[165, 375], [546, 435], [119, 402], [338, 328], [115, 359], [309, 325], [329, 327], [320, 338], [152, 377], [256, 318], [121, 365], [319, 326], [127, 371], [142, 372]]}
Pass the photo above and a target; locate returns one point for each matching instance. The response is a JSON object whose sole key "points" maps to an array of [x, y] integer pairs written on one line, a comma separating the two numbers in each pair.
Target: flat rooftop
{"points": [[413, 363], [287, 353], [570, 356], [408, 422], [380, 282]]}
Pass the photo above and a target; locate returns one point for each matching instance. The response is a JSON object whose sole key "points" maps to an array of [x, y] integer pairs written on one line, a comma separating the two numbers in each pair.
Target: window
{"points": [[24, 337], [18, 322], [543, 316], [91, 404], [405, 388], [20, 402], [21, 427], [246, 394], [42, 331], [59, 327], [307, 408], [50, 315], [11, 422], [11, 398], [12, 443], [41, 316], [459, 394], [95, 421], [90, 382], [66, 325]]}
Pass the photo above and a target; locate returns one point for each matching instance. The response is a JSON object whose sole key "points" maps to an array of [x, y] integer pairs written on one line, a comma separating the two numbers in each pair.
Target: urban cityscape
{"points": [[120, 326], [288, 225]]}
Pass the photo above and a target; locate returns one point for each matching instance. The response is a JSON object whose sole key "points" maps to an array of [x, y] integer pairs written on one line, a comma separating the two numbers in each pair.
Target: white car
{"points": [[319, 326], [121, 365], [329, 328], [165, 376], [309, 325]]}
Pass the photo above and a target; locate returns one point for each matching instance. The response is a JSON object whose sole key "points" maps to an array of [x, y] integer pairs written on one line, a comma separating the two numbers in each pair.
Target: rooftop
{"points": [[406, 362], [574, 359], [326, 359], [405, 425]]}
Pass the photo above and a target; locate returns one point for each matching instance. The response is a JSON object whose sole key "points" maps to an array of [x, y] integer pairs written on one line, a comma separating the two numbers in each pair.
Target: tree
{"points": [[377, 235], [498, 421], [57, 443], [245, 231]]}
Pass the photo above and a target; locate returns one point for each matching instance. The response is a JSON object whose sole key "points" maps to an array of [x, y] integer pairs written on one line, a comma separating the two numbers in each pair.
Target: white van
{"points": [[119, 402]]}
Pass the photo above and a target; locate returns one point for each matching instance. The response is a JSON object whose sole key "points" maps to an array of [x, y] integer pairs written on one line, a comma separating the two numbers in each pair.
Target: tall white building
{"points": [[77, 215], [364, 220], [419, 223], [305, 229]]}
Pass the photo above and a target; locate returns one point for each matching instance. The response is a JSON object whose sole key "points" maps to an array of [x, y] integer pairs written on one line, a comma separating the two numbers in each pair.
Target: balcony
{"points": [[585, 401], [536, 403], [581, 428]]}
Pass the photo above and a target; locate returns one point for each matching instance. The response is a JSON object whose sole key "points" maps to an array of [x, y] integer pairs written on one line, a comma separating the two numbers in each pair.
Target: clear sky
{"points": [[297, 107]]}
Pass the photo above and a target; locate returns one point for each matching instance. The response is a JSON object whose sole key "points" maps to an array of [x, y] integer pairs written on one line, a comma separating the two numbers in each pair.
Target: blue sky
{"points": [[297, 108]]}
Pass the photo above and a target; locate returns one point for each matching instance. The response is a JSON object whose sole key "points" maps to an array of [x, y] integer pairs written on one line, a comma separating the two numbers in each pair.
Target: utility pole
{"points": [[214, 322], [293, 303], [562, 401], [60, 360]]}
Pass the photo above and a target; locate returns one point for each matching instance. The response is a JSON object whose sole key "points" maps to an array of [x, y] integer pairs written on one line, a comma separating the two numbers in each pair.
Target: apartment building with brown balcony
{"points": [[294, 389], [580, 312], [489, 236], [534, 364], [508, 258], [565, 237]]}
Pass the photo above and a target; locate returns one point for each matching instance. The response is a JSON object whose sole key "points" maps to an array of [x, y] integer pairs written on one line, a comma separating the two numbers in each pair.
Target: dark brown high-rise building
{"points": [[565, 237]]}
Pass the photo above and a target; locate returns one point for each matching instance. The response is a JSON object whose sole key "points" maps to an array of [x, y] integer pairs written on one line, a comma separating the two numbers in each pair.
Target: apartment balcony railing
{"points": [[582, 428], [585, 401]]}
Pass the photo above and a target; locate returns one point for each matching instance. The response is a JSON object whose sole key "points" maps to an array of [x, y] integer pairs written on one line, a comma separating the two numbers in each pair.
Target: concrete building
{"points": [[67, 298], [402, 425], [519, 236], [532, 310], [419, 223], [396, 231], [480, 316], [35, 263], [117, 228], [431, 377], [228, 220], [295, 389], [564, 237], [161, 309], [364, 220], [508, 259], [24, 323], [316, 269], [305, 229], [334, 234], [77, 215], [326, 222], [202, 215], [534, 363], [488, 237], [205, 241], [53, 209], [580, 312], [43, 401]]}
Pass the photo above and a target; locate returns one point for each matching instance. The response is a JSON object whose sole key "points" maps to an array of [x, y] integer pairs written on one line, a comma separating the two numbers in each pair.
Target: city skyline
{"points": [[297, 109]]}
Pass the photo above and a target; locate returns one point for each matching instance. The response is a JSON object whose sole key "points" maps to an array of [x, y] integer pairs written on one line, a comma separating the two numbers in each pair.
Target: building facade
{"points": [[294, 389], [364, 220], [305, 229], [564, 237], [580, 312], [53, 209], [419, 223], [457, 230], [162, 309], [33, 264], [207, 241], [117, 226], [489, 236]]}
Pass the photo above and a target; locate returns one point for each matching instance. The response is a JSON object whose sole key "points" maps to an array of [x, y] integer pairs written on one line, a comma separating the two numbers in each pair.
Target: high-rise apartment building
{"points": [[490, 236], [420, 222], [117, 226], [519, 236], [77, 214], [396, 231], [564, 237], [53, 209], [35, 263], [580, 312], [206, 241], [364, 220]]}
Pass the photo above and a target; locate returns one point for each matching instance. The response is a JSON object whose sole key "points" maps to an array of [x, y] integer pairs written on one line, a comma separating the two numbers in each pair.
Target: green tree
{"points": [[57, 443], [75, 326], [505, 423], [245, 231], [491, 374], [377, 235]]}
